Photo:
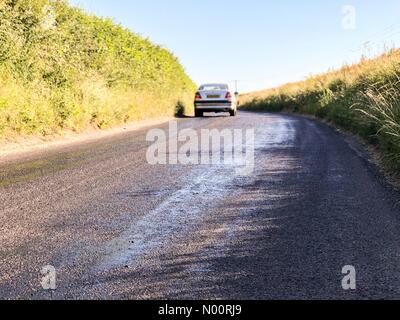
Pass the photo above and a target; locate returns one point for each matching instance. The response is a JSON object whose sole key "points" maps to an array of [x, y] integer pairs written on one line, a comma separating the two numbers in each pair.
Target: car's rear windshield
{"points": [[210, 87]]}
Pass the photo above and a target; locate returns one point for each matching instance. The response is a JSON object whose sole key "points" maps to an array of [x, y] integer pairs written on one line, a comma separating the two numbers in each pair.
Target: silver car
{"points": [[215, 98]]}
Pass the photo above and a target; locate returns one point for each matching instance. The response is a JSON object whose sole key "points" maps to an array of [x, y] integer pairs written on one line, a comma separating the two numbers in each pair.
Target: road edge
{"points": [[26, 147], [369, 154]]}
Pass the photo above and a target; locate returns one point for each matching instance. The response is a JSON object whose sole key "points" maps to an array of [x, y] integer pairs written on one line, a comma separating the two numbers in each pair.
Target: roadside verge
{"points": [[32, 146]]}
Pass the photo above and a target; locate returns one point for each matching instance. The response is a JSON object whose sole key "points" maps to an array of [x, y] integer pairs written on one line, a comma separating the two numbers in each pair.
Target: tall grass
{"points": [[63, 69], [363, 98]]}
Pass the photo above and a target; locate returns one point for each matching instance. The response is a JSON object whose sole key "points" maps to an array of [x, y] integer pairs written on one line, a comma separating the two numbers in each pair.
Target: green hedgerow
{"points": [[63, 69]]}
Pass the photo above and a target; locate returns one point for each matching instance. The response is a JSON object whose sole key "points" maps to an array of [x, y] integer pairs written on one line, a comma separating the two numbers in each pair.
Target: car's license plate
{"points": [[213, 96]]}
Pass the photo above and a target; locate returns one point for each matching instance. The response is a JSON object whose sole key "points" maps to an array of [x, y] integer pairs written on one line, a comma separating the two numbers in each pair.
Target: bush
{"points": [[63, 69]]}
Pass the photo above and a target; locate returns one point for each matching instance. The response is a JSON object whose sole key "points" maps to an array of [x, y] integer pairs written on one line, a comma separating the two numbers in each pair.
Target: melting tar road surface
{"points": [[114, 226]]}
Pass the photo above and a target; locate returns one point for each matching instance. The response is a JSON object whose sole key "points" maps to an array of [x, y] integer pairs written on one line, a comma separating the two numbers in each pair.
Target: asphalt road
{"points": [[116, 227]]}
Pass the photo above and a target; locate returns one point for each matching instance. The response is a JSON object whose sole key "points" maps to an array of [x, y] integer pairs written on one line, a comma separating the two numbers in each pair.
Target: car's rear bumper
{"points": [[214, 106]]}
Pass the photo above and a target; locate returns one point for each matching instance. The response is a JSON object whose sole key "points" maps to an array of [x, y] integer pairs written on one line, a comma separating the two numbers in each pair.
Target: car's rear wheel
{"points": [[198, 114]]}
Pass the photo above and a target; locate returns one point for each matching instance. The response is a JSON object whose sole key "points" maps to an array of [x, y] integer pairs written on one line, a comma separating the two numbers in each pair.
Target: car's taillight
{"points": [[198, 96], [228, 96]]}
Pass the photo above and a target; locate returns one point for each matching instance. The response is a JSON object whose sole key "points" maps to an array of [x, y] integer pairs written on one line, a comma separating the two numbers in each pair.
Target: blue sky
{"points": [[262, 43]]}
